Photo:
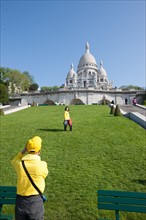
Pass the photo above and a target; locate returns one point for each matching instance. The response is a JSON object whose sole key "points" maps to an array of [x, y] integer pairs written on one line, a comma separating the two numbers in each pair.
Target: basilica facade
{"points": [[89, 85], [88, 74]]}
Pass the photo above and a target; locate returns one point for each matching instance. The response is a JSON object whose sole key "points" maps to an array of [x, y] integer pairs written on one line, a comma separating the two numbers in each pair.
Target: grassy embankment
{"points": [[102, 152]]}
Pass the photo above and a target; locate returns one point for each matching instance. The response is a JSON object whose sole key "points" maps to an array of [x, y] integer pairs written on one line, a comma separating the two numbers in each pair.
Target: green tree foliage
{"points": [[29, 77], [55, 87], [3, 94], [45, 88], [3, 75], [131, 87], [23, 80], [33, 87], [49, 88], [2, 112], [143, 96], [103, 102]]}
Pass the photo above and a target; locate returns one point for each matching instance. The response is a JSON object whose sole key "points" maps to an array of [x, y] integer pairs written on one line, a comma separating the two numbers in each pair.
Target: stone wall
{"points": [[88, 97]]}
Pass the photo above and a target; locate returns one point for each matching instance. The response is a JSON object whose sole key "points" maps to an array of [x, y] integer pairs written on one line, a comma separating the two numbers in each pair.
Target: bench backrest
{"points": [[7, 195], [122, 201]]}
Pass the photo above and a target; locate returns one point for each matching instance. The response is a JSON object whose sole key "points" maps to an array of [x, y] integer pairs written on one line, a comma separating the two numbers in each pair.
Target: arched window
{"points": [[85, 84]]}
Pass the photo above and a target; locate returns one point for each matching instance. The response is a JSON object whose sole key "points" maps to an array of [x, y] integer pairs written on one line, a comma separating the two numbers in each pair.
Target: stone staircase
{"points": [[136, 113]]}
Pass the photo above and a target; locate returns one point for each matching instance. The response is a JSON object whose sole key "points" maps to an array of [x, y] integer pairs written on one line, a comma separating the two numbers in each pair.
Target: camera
{"points": [[44, 198]]}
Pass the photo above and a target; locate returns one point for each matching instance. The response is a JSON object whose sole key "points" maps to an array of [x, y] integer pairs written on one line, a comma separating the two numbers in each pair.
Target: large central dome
{"points": [[88, 74], [87, 58]]}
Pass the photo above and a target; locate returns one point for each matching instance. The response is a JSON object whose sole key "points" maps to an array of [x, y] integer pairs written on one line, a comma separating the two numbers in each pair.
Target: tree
{"points": [[131, 87], [3, 94], [49, 88], [112, 111], [3, 75], [2, 111], [55, 87], [28, 77], [21, 80], [103, 102], [45, 88], [33, 87], [117, 111]]}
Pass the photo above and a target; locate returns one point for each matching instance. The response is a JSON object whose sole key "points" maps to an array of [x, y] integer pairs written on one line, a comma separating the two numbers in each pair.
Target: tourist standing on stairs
{"points": [[134, 102], [67, 119]]}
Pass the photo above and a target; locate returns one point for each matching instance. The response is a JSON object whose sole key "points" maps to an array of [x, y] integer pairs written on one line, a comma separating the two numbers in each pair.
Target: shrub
{"points": [[117, 111], [33, 87], [112, 109], [1, 112], [103, 102], [34, 104], [3, 93]]}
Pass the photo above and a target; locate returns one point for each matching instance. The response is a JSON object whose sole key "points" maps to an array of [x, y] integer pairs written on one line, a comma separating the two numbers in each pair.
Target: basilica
{"points": [[89, 85], [88, 75]]}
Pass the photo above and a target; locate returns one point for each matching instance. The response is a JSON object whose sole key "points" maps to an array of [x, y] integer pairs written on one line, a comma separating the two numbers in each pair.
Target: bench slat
{"points": [[130, 201], [7, 195], [8, 201], [121, 201], [122, 207], [8, 188], [122, 194], [6, 217]]}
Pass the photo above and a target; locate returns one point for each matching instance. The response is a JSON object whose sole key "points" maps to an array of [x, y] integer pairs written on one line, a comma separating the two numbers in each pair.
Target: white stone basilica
{"points": [[90, 85], [88, 74]]}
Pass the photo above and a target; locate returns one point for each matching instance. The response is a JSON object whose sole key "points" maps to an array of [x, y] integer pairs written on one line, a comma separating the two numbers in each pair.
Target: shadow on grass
{"points": [[50, 129], [143, 182]]}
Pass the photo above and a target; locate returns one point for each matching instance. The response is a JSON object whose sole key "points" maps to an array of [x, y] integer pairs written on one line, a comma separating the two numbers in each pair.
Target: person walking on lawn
{"points": [[67, 119], [29, 203]]}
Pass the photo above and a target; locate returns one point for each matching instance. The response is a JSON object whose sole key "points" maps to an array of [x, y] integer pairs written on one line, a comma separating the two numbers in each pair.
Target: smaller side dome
{"points": [[71, 73], [102, 70]]}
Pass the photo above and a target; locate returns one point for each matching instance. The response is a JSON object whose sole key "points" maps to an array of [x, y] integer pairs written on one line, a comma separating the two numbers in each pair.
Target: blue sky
{"points": [[45, 37]]}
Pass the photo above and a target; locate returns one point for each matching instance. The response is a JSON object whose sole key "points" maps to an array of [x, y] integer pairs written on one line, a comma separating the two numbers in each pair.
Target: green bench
{"points": [[7, 197], [121, 201]]}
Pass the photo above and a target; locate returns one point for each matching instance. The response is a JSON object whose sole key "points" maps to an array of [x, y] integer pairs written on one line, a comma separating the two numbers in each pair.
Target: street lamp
{"points": [[115, 95]]}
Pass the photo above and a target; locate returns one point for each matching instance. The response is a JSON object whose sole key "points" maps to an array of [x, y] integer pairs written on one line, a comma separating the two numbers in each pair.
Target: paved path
{"points": [[131, 108], [11, 109]]}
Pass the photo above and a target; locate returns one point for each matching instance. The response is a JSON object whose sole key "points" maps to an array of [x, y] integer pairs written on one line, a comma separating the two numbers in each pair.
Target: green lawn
{"points": [[102, 152]]}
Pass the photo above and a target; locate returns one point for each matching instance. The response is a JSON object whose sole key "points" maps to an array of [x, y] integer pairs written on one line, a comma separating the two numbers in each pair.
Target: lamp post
{"points": [[104, 101], [115, 95]]}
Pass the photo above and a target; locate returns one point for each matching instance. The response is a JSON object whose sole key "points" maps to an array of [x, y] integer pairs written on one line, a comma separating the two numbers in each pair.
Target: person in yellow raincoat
{"points": [[67, 119], [29, 204]]}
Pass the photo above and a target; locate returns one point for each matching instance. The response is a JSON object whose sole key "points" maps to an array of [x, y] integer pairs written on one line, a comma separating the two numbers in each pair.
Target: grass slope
{"points": [[102, 152]]}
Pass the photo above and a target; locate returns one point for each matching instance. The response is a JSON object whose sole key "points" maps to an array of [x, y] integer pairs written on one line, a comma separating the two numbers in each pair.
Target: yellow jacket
{"points": [[66, 115], [37, 169]]}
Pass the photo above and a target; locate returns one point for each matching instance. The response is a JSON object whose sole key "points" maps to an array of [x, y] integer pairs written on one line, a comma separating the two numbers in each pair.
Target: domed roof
{"points": [[71, 73], [102, 70], [87, 57]]}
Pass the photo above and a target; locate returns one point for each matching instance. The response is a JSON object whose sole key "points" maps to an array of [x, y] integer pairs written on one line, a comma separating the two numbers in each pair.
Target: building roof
{"points": [[102, 71], [87, 58], [71, 73]]}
